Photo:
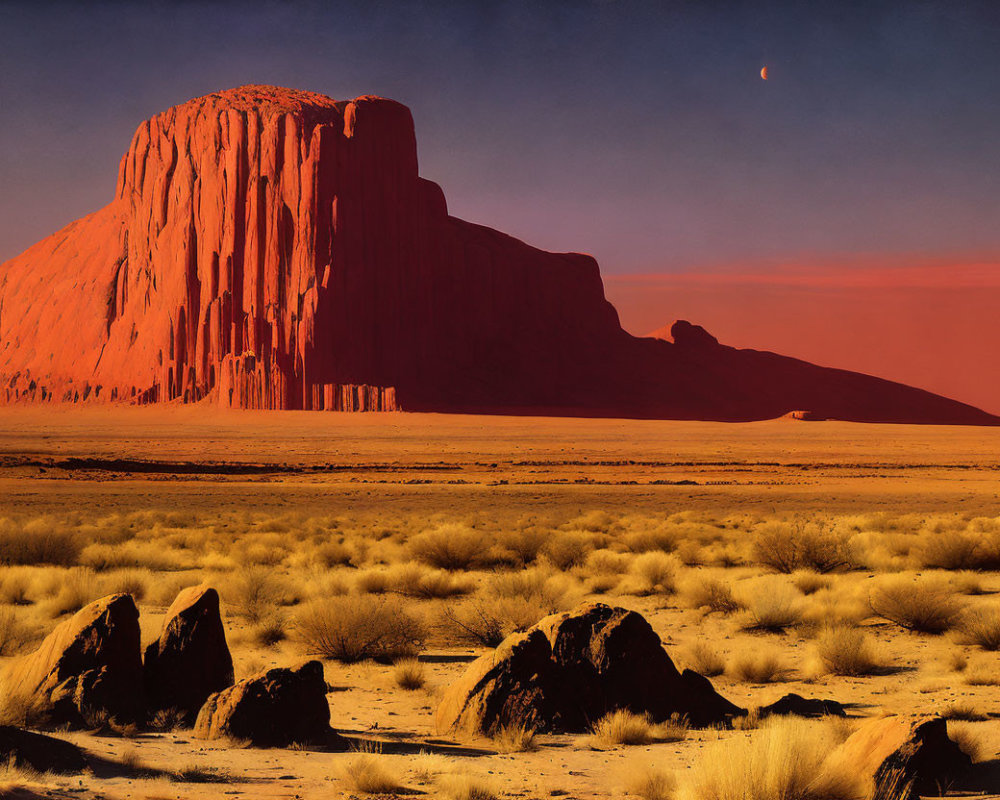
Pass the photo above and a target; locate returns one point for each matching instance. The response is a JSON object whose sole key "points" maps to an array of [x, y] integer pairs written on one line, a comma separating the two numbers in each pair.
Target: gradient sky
{"points": [[637, 131]]}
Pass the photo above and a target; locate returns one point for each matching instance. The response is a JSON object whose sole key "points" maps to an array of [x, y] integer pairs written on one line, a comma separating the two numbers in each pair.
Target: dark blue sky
{"points": [[638, 131]]}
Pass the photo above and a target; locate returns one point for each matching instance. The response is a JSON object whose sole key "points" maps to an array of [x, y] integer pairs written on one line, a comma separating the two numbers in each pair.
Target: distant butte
{"points": [[276, 249]]}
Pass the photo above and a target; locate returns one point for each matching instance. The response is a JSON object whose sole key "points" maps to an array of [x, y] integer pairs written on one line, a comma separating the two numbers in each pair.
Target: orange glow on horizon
{"points": [[931, 325]]}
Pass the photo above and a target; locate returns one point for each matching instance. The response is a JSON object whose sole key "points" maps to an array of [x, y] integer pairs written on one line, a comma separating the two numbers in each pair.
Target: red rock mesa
{"points": [[271, 248]]}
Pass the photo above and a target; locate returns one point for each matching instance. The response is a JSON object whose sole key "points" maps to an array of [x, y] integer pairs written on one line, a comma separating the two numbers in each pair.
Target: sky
{"points": [[634, 130]]}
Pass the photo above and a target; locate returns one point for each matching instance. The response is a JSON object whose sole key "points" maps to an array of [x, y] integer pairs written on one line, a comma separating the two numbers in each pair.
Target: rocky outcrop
{"points": [[33, 751], [191, 659], [573, 668], [88, 670], [903, 756], [275, 709], [270, 248], [795, 705]]}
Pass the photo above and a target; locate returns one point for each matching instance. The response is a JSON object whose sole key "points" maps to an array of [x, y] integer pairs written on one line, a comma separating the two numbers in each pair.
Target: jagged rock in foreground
{"points": [[27, 750], [896, 752], [570, 669], [270, 248], [88, 670], [191, 659], [277, 708]]}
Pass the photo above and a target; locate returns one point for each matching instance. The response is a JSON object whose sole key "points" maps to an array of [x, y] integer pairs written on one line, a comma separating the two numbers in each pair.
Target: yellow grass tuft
{"points": [[368, 774], [624, 728], [850, 651]]}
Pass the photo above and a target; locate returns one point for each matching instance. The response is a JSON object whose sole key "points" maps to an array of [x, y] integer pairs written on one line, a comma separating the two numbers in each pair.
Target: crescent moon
{"points": [[763, 73]]}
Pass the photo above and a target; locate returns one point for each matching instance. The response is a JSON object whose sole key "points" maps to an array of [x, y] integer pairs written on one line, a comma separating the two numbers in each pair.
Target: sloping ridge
{"points": [[270, 248]]}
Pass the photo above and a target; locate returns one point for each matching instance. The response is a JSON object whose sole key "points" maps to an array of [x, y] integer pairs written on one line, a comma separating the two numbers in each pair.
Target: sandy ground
{"points": [[200, 460]]}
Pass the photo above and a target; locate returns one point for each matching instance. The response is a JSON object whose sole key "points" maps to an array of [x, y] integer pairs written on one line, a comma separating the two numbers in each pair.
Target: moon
{"points": [[763, 73]]}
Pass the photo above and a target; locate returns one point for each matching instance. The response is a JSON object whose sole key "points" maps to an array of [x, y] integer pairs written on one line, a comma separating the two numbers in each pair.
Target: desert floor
{"points": [[226, 497]]}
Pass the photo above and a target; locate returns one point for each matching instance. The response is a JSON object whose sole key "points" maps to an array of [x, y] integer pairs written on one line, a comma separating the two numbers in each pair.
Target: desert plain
{"points": [[852, 562]]}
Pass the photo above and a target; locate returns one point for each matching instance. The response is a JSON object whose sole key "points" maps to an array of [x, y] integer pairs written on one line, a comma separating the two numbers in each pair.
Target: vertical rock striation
{"points": [[271, 248]]}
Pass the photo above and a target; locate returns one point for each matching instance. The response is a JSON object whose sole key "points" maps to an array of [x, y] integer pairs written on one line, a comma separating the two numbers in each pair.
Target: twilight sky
{"points": [[637, 131]]}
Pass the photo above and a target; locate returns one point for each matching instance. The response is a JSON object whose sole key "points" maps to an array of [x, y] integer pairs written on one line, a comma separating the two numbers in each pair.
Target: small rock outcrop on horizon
{"points": [[277, 708], [272, 248], [570, 669], [191, 659], [88, 671]]}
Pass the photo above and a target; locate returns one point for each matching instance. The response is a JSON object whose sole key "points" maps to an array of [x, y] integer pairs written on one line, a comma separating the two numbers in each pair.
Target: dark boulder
{"points": [[191, 659], [88, 671], [573, 668], [798, 706], [274, 709]]}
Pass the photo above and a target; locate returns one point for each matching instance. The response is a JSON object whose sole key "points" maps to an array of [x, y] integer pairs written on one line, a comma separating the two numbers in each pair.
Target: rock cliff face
{"points": [[269, 248]]}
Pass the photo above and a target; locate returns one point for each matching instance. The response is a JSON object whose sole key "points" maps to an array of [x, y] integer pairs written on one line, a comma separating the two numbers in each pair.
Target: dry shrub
{"points": [[514, 739], [650, 783], [150, 555], [367, 773], [849, 651], [15, 635], [623, 727], [134, 582], [548, 590], [606, 562], [710, 594], [452, 546], [523, 545], [981, 627], [373, 581], [768, 604], [787, 547], [690, 553], [652, 573], [357, 628], [982, 672], [567, 549], [835, 607], [328, 555], [409, 674], [76, 588], [664, 539], [196, 773], [254, 593], [810, 582], [965, 711], [969, 583], [758, 665], [414, 580], [488, 621], [15, 587], [465, 786], [270, 630], [918, 607], [510, 603], [38, 541], [704, 659], [602, 584], [785, 760], [952, 550]]}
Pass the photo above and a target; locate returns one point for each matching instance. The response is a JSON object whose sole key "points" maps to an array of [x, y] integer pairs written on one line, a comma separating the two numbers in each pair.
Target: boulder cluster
{"points": [[561, 675], [90, 672]]}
